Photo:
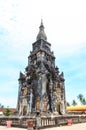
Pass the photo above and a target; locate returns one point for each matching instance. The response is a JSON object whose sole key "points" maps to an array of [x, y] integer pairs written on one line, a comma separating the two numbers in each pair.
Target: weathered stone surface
{"points": [[41, 87]]}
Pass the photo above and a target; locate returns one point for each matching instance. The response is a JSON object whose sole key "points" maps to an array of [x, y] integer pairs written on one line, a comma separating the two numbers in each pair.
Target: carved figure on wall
{"points": [[24, 110], [24, 106], [38, 104], [58, 89], [24, 102], [25, 91], [54, 101], [45, 104]]}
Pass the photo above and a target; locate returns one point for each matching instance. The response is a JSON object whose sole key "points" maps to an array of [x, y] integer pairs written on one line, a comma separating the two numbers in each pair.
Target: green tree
{"points": [[7, 112], [81, 99], [68, 104], [74, 103], [1, 106], [84, 101]]}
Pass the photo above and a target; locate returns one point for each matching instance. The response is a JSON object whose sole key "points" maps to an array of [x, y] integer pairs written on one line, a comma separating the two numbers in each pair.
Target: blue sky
{"points": [[65, 27]]}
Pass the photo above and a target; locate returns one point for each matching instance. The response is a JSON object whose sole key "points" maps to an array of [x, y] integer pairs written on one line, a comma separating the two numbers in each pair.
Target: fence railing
{"points": [[43, 121]]}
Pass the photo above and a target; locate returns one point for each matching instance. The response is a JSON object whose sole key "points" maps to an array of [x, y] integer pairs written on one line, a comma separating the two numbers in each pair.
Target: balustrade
{"points": [[44, 121]]}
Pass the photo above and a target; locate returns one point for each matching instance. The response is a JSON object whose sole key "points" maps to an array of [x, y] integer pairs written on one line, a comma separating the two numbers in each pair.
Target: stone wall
{"points": [[43, 121]]}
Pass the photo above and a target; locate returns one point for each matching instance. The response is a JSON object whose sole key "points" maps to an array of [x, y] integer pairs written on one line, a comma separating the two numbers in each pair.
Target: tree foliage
{"points": [[74, 103], [68, 104], [7, 112], [1, 106], [81, 99]]}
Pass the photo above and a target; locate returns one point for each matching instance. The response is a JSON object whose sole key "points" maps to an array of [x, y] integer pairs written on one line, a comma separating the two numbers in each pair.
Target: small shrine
{"points": [[41, 86]]}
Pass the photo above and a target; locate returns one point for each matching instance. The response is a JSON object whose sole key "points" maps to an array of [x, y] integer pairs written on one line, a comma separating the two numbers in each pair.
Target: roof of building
{"points": [[4, 109]]}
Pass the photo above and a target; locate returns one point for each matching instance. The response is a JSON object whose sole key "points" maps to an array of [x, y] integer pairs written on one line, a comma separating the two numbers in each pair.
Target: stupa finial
{"points": [[41, 34]]}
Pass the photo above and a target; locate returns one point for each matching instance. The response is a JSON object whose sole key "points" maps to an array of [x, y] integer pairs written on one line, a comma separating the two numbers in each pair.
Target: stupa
{"points": [[41, 86]]}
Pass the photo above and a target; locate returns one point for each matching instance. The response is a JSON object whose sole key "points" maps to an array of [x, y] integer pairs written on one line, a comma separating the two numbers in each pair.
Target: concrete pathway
{"points": [[81, 126], [11, 128]]}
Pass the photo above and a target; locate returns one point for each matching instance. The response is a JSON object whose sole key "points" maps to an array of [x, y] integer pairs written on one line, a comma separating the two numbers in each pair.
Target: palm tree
{"points": [[80, 97], [68, 104], [84, 101], [1, 106], [74, 103]]}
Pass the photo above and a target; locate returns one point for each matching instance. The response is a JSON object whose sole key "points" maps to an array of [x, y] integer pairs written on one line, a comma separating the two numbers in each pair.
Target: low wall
{"points": [[43, 121]]}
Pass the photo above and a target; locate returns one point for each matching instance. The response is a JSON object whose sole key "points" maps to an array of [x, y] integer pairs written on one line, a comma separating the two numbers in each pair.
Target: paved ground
{"points": [[81, 126], [72, 127]]}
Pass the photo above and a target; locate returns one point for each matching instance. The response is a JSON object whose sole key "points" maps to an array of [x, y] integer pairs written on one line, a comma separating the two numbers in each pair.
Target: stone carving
{"points": [[45, 105], [45, 102], [25, 91], [24, 102], [38, 104], [41, 87]]}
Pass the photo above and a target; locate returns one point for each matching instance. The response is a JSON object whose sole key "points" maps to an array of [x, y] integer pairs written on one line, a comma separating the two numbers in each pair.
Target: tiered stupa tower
{"points": [[41, 87]]}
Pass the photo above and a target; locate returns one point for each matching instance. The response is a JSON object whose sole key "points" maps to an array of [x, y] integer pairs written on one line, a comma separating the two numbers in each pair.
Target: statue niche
{"points": [[24, 106], [59, 103]]}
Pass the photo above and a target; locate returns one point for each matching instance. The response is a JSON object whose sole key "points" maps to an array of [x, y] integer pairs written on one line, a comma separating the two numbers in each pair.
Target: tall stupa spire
{"points": [[41, 86], [41, 34]]}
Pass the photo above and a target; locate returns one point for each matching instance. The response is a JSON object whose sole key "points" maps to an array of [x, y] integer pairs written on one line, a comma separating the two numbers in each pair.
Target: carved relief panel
{"points": [[58, 91], [24, 102], [45, 104], [25, 91], [37, 104]]}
